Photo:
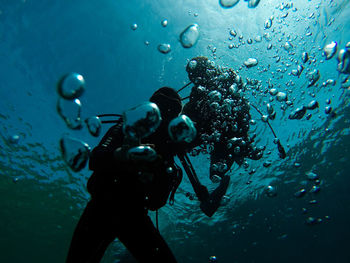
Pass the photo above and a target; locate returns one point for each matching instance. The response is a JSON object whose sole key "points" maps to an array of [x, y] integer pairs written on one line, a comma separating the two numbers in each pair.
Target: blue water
{"points": [[42, 199]]}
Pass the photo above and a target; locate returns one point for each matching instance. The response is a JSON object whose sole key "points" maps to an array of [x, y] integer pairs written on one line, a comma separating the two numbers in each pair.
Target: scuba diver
{"points": [[221, 116], [123, 189], [131, 177]]}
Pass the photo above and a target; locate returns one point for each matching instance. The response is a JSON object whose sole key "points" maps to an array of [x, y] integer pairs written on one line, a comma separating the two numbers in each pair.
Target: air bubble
{"points": [[71, 86], [312, 105], [281, 96], [344, 61], [94, 125], [253, 3], [141, 121], [312, 176], [75, 152], [181, 129], [330, 50], [251, 62], [70, 111], [298, 113], [233, 33], [164, 22], [270, 191], [228, 3], [304, 57], [164, 48], [189, 36], [313, 77], [14, 139], [268, 23]]}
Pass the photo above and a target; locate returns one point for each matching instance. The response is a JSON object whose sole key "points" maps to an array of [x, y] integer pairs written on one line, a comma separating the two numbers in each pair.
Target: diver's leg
{"points": [[144, 241], [91, 236]]}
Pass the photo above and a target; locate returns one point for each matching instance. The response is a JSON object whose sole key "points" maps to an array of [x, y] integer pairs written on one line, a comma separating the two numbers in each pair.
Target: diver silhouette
{"points": [[123, 190]]}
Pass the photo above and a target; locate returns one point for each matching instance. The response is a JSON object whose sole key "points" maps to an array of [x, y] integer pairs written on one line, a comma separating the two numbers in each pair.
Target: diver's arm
{"points": [[200, 190], [209, 202], [210, 205]]}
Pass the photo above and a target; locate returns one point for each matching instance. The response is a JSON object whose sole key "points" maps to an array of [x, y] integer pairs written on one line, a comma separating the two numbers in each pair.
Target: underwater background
{"points": [[291, 210]]}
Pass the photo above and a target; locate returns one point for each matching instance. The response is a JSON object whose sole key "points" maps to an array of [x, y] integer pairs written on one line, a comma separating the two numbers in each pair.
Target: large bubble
{"points": [[189, 36], [181, 129], [70, 111], [71, 86], [141, 121], [75, 152], [228, 3], [253, 3]]}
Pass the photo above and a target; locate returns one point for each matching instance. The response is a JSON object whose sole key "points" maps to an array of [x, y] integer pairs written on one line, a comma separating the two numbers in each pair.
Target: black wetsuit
{"points": [[121, 195]]}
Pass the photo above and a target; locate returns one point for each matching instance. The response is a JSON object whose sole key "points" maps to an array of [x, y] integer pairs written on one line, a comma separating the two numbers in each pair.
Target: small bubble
{"points": [[94, 125], [298, 113], [330, 50], [344, 61], [258, 38], [133, 27], [304, 57], [164, 48], [270, 191], [300, 193], [288, 46], [164, 22], [328, 110], [15, 179], [251, 62], [273, 92], [315, 189], [313, 77], [14, 139], [268, 23], [233, 33], [281, 96], [312, 105]]}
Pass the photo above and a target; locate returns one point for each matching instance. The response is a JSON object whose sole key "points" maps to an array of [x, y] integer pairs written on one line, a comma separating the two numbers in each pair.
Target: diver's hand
{"points": [[211, 204]]}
